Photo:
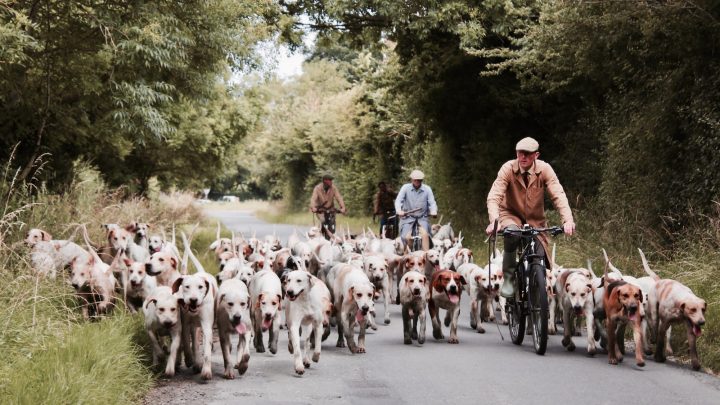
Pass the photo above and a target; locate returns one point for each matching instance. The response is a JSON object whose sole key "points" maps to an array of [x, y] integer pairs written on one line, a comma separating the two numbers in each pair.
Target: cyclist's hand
{"points": [[401, 213], [569, 228], [313, 210], [343, 210], [489, 229]]}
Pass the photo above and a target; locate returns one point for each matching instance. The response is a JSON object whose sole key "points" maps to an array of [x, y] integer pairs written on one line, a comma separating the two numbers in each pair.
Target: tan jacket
{"points": [[513, 203], [321, 198]]}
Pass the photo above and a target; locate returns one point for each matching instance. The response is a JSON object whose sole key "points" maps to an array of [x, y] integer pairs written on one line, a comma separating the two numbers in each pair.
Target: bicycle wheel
{"points": [[516, 316], [538, 303]]}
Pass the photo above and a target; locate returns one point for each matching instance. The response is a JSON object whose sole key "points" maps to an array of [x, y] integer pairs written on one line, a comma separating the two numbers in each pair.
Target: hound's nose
{"points": [[453, 288], [75, 285], [416, 291], [632, 309], [222, 266], [193, 300], [577, 307], [148, 267], [168, 324], [365, 309], [701, 323], [236, 319]]}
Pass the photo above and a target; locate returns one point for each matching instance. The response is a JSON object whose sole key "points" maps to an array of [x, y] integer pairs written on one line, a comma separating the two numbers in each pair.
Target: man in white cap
{"points": [[415, 200], [517, 197]]}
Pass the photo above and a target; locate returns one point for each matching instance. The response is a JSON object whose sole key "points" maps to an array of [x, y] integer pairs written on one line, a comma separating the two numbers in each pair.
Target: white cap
{"points": [[528, 145], [416, 175]]}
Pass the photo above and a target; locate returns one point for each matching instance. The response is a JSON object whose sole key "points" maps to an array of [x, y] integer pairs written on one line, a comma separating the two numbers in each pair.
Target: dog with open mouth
{"points": [[232, 316], [622, 302], [445, 293], [354, 294], [266, 301], [676, 304], [306, 310]]}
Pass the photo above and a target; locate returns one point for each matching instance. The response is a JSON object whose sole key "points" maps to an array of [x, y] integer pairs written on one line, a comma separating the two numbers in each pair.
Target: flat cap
{"points": [[417, 175], [327, 176], [528, 145]]}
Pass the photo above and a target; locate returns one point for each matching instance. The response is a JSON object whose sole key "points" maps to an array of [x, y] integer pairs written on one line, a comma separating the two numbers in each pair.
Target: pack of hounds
{"points": [[312, 284]]}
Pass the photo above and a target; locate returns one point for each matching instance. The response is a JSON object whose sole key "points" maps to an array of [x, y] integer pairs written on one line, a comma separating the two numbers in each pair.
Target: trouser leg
{"points": [[509, 264]]}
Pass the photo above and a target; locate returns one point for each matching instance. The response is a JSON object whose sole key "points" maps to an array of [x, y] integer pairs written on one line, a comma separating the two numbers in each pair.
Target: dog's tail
{"points": [[552, 257], [647, 267], [610, 265], [91, 250], [589, 266], [605, 269], [188, 253]]}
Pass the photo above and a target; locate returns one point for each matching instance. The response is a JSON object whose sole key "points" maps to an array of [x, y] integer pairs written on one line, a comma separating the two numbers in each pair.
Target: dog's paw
{"points": [[473, 325], [641, 364], [340, 344], [316, 357], [306, 363], [206, 374], [273, 349], [421, 339], [696, 365], [591, 351], [373, 326], [414, 334], [438, 335], [196, 369], [407, 340], [612, 361], [447, 321], [260, 349], [480, 329], [453, 341], [242, 366], [660, 357], [170, 372], [387, 321], [229, 374], [360, 349], [300, 370]]}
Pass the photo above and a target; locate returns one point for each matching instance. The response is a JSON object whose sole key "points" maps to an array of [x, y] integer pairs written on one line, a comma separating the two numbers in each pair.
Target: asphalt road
{"points": [[482, 368]]}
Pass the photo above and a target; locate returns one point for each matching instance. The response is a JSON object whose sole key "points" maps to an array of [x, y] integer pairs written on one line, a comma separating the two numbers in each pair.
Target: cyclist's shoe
{"points": [[508, 288]]}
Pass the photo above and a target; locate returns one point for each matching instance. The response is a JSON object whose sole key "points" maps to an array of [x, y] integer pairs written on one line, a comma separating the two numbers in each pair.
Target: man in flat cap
{"points": [[324, 196], [415, 201], [517, 197]]}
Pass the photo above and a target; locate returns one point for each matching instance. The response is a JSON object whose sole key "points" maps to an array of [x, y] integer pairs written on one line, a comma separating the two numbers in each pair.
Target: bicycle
{"points": [[328, 225], [530, 293], [415, 234], [390, 226]]}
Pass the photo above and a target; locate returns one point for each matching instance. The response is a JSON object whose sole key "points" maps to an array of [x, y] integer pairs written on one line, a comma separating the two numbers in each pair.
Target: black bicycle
{"points": [[530, 293], [328, 224], [415, 234], [391, 224]]}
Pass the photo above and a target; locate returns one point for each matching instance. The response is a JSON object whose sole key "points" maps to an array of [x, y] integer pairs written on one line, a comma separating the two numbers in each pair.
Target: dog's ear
{"points": [[311, 281], [567, 287], [279, 297], [424, 280], [149, 301], [173, 262], [128, 261], [462, 280], [439, 288], [640, 294], [704, 306], [589, 288], [176, 285], [351, 293], [259, 301], [221, 297], [46, 237]]}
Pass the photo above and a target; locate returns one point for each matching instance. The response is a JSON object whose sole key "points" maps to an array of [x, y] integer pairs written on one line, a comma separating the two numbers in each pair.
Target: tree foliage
{"points": [[139, 88]]}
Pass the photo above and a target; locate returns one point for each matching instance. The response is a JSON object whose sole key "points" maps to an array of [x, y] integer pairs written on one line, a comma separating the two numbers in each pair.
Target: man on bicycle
{"points": [[323, 198], [517, 197], [384, 206], [417, 201]]}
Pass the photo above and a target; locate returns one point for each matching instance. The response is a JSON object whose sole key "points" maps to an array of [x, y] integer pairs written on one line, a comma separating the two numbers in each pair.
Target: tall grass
{"points": [[49, 351]]}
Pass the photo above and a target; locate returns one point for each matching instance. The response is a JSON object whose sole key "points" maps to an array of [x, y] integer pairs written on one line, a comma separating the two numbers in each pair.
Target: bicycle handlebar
{"points": [[530, 231]]}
